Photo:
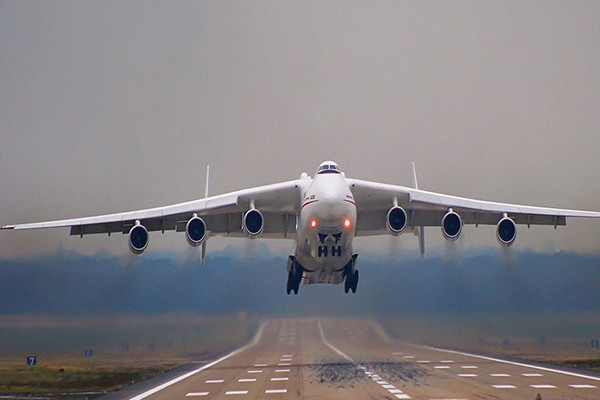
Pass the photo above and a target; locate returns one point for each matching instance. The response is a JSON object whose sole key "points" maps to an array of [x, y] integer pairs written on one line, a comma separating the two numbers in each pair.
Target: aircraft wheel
{"points": [[354, 281], [347, 284], [291, 284]]}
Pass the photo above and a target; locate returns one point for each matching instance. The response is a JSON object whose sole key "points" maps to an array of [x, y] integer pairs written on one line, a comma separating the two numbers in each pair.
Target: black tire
{"points": [[354, 281], [290, 283]]}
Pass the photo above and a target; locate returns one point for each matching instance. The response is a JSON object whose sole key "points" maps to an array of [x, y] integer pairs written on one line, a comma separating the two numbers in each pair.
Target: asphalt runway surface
{"points": [[320, 358]]}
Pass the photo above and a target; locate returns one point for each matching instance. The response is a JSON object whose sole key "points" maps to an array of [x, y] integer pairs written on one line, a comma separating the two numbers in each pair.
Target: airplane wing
{"points": [[425, 208], [223, 214]]}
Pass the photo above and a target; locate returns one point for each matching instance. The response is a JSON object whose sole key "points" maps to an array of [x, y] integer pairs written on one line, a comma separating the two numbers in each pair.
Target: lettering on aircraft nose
{"points": [[335, 251]]}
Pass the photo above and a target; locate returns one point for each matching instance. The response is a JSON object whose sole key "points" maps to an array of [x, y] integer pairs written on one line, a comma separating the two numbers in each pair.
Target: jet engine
{"points": [[506, 231], [253, 222], [451, 226], [396, 220], [195, 231], [138, 238]]}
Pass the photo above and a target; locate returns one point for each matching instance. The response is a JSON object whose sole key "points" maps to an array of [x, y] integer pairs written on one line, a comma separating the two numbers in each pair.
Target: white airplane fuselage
{"points": [[326, 227]]}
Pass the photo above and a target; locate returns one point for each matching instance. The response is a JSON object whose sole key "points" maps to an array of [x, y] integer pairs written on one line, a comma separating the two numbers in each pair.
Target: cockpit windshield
{"points": [[328, 169]]}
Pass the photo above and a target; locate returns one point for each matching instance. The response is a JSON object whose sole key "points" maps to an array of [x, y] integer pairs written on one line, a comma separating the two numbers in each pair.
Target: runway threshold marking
{"points": [[194, 372], [391, 388], [519, 364]]}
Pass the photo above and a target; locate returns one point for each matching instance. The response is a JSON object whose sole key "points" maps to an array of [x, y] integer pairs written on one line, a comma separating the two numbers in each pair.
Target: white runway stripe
{"points": [[583, 386], [215, 381], [235, 392], [196, 394], [519, 364], [194, 372], [504, 386], [276, 391], [247, 380], [543, 386], [500, 375], [283, 370], [281, 379]]}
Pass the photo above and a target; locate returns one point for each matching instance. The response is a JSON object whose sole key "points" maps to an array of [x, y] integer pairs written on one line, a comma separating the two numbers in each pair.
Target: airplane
{"points": [[323, 214]]}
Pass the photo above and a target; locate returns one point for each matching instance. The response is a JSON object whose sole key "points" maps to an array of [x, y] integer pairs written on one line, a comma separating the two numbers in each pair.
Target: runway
{"points": [[341, 358]]}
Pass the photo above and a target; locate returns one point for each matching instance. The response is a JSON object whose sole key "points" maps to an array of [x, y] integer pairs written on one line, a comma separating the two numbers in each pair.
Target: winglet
{"points": [[207, 176], [415, 183], [421, 229]]}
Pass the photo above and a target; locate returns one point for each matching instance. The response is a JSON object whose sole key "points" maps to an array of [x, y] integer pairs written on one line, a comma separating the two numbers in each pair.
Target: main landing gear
{"points": [[294, 276], [351, 273]]}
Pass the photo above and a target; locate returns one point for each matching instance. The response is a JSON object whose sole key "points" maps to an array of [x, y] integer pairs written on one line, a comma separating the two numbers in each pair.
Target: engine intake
{"points": [[195, 231], [506, 231], [396, 219], [253, 222], [138, 238], [451, 226]]}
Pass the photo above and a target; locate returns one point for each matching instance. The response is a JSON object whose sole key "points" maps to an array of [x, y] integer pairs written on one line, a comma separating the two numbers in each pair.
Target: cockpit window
{"points": [[328, 169]]}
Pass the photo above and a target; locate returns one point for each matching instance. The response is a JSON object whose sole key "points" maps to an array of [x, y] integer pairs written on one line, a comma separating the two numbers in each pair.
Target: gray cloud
{"points": [[116, 106]]}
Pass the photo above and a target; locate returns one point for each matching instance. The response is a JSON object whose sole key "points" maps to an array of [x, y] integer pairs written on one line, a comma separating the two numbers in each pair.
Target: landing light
{"points": [[313, 223], [347, 223]]}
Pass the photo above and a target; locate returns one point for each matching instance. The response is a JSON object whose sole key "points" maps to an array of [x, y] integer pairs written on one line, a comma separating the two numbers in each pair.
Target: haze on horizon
{"points": [[115, 106]]}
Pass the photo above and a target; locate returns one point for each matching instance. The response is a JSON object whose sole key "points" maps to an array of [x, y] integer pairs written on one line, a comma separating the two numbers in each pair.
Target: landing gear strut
{"points": [[351, 281], [294, 276]]}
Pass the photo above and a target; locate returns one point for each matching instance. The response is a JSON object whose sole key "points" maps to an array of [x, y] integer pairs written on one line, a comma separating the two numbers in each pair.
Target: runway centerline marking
{"points": [[504, 386], [529, 375], [467, 375], [583, 386], [377, 378], [194, 372], [215, 381], [499, 375], [196, 394], [283, 370], [469, 367]]}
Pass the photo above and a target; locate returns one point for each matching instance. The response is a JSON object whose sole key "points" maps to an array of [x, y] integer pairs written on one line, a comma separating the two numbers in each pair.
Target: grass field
{"points": [[125, 349]]}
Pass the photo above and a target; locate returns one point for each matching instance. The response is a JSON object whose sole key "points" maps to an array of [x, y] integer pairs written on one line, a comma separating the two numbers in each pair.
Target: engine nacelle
{"points": [[195, 231], [452, 225], [253, 222], [396, 220], [138, 238], [506, 231]]}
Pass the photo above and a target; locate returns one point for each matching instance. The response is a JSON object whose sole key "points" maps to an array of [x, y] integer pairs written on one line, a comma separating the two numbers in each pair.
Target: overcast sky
{"points": [[114, 106]]}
